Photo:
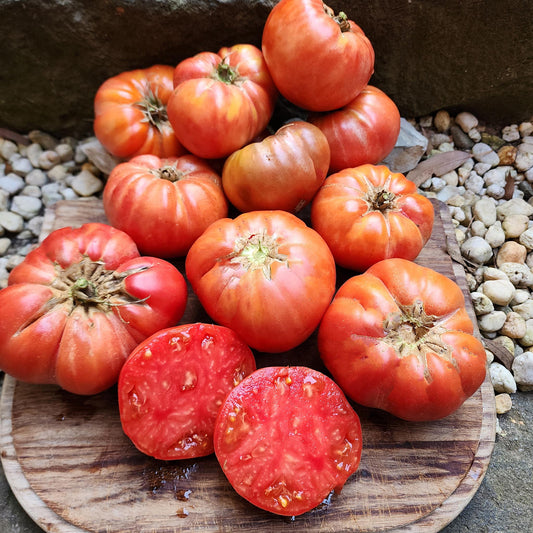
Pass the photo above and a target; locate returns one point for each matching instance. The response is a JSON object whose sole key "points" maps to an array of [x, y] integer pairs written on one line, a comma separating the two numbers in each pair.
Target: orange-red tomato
{"points": [[164, 205], [79, 303], [264, 274], [131, 113], [363, 131], [221, 101], [369, 213], [319, 61], [283, 171], [399, 338]]}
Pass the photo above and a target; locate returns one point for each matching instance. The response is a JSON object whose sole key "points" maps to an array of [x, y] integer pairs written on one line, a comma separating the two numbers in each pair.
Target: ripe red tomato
{"points": [[363, 131], [79, 303], [131, 114], [283, 171], [264, 274], [164, 205], [369, 213], [172, 386], [221, 101], [286, 437], [318, 60], [399, 338]]}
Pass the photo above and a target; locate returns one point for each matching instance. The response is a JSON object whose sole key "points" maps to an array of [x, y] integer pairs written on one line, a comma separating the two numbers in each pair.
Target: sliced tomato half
{"points": [[171, 388], [286, 437]]}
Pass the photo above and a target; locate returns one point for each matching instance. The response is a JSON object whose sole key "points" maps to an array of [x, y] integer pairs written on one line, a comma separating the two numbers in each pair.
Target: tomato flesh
{"points": [[286, 437], [172, 385]]}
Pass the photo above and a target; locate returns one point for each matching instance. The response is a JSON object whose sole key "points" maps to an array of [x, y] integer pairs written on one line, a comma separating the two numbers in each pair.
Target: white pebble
{"points": [[5, 243], [492, 322], [26, 206], [515, 206], [481, 303], [466, 121], [483, 153], [495, 235], [48, 159], [502, 379], [12, 222], [481, 168], [503, 403], [86, 184], [500, 291], [515, 225], [524, 157], [515, 326], [484, 210], [526, 238], [477, 250], [519, 274], [22, 166], [523, 371], [511, 133], [474, 183], [7, 149], [477, 228]]}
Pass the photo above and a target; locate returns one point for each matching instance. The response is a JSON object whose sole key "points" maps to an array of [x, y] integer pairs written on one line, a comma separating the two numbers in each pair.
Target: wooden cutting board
{"points": [[73, 470]]}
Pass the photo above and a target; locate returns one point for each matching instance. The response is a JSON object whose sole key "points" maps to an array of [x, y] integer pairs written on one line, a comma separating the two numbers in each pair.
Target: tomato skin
{"points": [[221, 101], [314, 64], [274, 305], [86, 298], [123, 122], [369, 213], [286, 437], [164, 205], [283, 171], [398, 338], [363, 131], [172, 385]]}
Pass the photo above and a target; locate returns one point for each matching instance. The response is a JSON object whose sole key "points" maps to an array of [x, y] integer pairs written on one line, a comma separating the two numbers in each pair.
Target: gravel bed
{"points": [[490, 197]]}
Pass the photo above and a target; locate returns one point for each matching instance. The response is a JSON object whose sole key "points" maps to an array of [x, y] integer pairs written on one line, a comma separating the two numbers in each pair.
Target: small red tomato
{"points": [[264, 274], [221, 101], [131, 113], [286, 437], [318, 60], [369, 213], [79, 303], [172, 386], [164, 205], [399, 338], [363, 131], [283, 171]]}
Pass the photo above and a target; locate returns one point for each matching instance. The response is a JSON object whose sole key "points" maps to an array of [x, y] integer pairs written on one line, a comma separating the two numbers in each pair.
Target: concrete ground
{"points": [[502, 504]]}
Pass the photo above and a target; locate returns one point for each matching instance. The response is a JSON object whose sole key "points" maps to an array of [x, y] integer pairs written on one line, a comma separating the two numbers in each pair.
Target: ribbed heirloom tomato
{"points": [[164, 205], [363, 131], [318, 60], [283, 171], [264, 274], [369, 213], [131, 113], [79, 303], [399, 338], [221, 101]]}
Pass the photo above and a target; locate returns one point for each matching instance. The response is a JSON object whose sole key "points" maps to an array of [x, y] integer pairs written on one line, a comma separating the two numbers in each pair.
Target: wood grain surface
{"points": [[73, 470]]}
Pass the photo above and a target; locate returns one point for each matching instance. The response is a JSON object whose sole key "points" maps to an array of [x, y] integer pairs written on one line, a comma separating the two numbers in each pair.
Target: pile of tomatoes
{"points": [[206, 177]]}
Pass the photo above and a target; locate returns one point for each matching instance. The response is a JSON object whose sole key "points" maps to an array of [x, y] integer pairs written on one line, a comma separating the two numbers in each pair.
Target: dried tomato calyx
{"points": [[413, 332], [257, 250], [153, 109], [169, 173], [380, 199], [341, 19], [88, 283]]}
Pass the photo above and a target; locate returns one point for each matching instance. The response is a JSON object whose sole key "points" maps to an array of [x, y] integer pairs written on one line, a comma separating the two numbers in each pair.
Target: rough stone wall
{"points": [[475, 55]]}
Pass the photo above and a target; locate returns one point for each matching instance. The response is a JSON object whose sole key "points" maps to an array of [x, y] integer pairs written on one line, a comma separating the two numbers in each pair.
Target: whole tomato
{"points": [[79, 303], [164, 204], [283, 171], [369, 213], [399, 338], [363, 131], [131, 113], [318, 60], [221, 101], [264, 274]]}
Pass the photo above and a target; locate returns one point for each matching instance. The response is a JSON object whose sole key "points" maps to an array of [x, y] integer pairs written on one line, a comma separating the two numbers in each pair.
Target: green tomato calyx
{"points": [[153, 109], [226, 73], [257, 251]]}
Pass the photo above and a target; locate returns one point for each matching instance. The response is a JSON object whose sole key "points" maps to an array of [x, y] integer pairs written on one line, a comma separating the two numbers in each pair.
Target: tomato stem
{"points": [[226, 73], [341, 19], [155, 112]]}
